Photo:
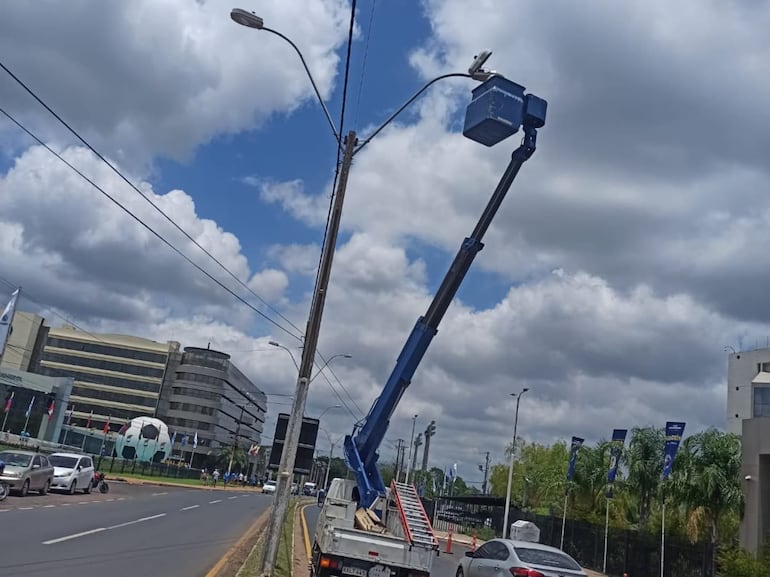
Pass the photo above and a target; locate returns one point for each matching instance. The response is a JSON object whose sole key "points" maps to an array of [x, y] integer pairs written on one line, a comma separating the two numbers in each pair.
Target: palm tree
{"points": [[706, 480], [240, 459], [590, 478], [645, 464]]}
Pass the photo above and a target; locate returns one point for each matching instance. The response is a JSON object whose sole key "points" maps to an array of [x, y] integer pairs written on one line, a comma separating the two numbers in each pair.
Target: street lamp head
{"points": [[524, 390], [274, 343], [245, 18], [346, 356]]}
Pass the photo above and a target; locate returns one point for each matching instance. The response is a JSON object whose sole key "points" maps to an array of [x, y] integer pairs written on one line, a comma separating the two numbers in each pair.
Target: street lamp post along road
{"points": [[510, 468], [350, 147]]}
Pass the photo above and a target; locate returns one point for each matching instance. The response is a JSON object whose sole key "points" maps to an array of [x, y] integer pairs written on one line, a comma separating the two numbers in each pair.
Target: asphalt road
{"points": [[444, 565], [131, 531]]}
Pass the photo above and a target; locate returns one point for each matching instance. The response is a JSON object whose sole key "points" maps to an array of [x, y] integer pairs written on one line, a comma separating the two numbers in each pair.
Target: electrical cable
{"points": [[144, 196], [363, 65], [148, 227]]}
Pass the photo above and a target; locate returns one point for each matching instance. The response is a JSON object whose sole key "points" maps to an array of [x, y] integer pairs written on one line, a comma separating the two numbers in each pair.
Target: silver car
{"points": [[26, 471], [506, 558]]}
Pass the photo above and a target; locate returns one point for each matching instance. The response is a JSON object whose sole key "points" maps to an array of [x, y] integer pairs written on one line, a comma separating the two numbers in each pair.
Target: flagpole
{"points": [[606, 534], [564, 519], [663, 536], [10, 310], [8, 410], [29, 414]]}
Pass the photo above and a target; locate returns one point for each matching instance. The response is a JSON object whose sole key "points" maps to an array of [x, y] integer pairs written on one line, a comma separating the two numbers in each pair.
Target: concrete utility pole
{"points": [[429, 432], [417, 444], [399, 459], [486, 474], [411, 449], [328, 466], [289, 454]]}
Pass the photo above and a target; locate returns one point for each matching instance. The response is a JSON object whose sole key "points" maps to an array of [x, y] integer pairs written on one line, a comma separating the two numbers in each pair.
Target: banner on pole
{"points": [[616, 450], [674, 432], [577, 442]]}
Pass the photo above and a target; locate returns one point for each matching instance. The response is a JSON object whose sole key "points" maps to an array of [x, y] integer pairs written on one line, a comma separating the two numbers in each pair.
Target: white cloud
{"points": [[161, 77]]}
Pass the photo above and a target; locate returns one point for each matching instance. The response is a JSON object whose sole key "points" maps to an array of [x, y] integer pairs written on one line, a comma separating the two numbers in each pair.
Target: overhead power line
{"points": [[147, 199], [147, 226]]}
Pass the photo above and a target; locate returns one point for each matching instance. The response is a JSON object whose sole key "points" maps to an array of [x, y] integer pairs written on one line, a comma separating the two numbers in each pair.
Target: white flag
{"points": [[6, 319], [195, 440]]}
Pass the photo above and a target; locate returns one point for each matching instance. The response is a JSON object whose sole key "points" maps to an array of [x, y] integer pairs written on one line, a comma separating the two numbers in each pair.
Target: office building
{"points": [[205, 393], [116, 377], [748, 415], [25, 343]]}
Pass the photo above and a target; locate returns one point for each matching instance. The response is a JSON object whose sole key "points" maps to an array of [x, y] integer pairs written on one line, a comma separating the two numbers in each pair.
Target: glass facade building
{"points": [[205, 393]]}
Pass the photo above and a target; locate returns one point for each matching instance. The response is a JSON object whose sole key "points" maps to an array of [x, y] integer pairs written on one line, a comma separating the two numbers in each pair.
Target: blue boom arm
{"points": [[361, 449]]}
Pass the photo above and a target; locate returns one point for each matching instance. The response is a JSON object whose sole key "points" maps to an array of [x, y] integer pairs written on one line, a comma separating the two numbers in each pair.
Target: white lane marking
{"points": [[158, 494], [66, 504], [122, 499], [25, 508], [190, 507], [100, 529], [231, 498], [142, 520], [4, 510], [217, 501], [48, 506], [110, 500], [74, 536]]}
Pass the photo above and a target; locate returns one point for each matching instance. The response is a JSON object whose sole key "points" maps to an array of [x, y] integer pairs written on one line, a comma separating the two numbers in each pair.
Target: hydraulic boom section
{"points": [[361, 448]]}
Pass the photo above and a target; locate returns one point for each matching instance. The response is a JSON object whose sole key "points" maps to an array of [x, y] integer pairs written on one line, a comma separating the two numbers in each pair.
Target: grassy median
{"points": [[285, 561]]}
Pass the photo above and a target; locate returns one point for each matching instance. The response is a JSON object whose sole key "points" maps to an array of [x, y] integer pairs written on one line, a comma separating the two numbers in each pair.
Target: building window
{"points": [[761, 401], [108, 350]]}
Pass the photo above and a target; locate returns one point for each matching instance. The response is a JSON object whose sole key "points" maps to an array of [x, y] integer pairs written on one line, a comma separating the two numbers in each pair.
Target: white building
{"points": [[748, 387]]}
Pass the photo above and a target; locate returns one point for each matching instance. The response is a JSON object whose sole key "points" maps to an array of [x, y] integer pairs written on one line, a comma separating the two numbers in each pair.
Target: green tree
{"points": [[644, 458], [590, 481], [240, 458], [706, 481], [539, 475]]}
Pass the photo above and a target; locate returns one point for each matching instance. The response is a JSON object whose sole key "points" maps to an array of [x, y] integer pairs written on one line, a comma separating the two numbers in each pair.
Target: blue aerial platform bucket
{"points": [[495, 112]]}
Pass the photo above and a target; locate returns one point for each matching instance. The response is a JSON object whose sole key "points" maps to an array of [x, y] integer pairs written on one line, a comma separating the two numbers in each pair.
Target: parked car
{"points": [[269, 487], [519, 559], [71, 472], [26, 471]]}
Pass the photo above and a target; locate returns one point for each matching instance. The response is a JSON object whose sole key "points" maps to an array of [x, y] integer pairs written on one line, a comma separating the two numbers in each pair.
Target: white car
{"points": [[72, 472], [268, 487], [519, 559]]}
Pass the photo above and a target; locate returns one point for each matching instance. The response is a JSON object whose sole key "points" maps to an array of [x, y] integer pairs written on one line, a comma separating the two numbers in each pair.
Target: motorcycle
{"points": [[100, 483]]}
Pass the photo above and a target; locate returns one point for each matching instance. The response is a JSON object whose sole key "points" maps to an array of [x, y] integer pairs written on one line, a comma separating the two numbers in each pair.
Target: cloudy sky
{"points": [[628, 254]]}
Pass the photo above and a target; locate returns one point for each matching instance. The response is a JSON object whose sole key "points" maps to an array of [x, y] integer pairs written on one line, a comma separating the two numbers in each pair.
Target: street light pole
{"points": [[351, 147], [510, 468], [411, 448]]}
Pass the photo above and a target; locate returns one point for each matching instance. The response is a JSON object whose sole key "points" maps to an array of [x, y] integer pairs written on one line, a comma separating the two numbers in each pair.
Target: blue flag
{"points": [[616, 450], [577, 442], [674, 432], [184, 439]]}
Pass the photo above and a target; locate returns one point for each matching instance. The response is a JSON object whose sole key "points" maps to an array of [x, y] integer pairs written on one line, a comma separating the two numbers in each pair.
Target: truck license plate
{"points": [[355, 571]]}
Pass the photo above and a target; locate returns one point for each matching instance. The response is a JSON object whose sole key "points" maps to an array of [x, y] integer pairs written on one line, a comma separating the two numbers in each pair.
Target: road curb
{"points": [[256, 527], [134, 481]]}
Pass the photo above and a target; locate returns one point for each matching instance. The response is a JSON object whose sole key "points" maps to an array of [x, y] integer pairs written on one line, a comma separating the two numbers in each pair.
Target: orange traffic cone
{"points": [[449, 543], [473, 543]]}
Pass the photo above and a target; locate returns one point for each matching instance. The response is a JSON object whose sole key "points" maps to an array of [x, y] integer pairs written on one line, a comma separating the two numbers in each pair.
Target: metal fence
{"points": [[172, 470], [628, 551]]}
